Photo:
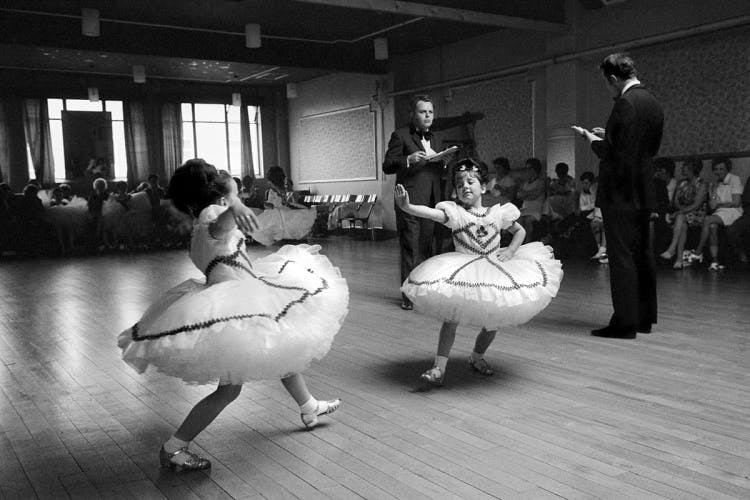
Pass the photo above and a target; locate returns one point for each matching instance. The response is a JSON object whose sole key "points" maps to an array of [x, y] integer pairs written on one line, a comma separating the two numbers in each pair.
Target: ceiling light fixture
{"points": [[291, 91], [236, 99], [90, 22], [381, 48], [139, 73], [252, 36], [93, 94]]}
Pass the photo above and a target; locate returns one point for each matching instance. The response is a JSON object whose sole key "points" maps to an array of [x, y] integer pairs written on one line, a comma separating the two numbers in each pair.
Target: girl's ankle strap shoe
{"points": [[183, 459]]}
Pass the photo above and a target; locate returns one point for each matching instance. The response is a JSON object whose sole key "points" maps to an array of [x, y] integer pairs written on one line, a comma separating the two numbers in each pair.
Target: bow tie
{"points": [[424, 135]]}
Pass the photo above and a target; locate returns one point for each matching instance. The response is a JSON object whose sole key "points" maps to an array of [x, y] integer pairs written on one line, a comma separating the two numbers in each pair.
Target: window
{"points": [[212, 132], [56, 107]]}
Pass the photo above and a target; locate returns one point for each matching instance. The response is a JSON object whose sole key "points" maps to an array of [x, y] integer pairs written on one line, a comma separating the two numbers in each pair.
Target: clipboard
{"points": [[441, 154]]}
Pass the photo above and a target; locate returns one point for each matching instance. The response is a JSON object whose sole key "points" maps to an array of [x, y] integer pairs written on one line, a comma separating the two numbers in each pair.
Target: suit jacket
{"points": [[632, 139], [422, 182]]}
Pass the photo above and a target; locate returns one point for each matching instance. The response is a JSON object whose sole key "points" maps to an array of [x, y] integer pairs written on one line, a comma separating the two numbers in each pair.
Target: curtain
{"points": [[136, 142], [36, 125], [13, 163], [171, 127], [246, 145]]}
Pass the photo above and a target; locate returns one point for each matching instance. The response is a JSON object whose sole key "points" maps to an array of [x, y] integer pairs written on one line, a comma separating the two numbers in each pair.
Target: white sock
{"points": [[309, 406], [441, 362], [475, 356], [173, 444]]}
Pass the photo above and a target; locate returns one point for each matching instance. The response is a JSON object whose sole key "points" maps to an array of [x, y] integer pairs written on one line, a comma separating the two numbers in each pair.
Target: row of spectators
{"points": [[57, 221], [692, 211]]}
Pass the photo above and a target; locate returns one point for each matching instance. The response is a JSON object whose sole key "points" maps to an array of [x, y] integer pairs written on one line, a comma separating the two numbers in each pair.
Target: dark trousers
{"points": [[632, 268], [415, 235], [739, 233]]}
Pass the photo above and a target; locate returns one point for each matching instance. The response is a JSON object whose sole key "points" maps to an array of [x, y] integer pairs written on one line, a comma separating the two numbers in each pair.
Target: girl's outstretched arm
{"points": [[402, 200]]}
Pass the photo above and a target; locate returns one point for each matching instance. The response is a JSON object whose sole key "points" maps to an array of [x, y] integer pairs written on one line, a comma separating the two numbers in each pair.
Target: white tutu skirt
{"points": [[269, 324], [481, 291], [284, 224], [71, 218]]}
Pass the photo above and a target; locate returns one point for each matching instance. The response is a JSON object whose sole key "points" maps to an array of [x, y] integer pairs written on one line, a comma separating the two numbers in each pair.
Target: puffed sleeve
{"points": [[205, 247], [452, 213], [506, 214]]}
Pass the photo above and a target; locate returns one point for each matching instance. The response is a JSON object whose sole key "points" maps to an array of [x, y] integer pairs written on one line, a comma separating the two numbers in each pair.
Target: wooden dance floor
{"points": [[566, 415]]}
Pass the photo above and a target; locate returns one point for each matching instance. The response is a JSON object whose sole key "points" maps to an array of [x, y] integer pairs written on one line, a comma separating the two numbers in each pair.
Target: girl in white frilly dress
{"points": [[262, 319], [481, 284]]}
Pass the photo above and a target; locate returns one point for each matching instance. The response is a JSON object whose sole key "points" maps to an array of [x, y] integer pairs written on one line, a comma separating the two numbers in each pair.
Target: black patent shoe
{"points": [[192, 461], [614, 333]]}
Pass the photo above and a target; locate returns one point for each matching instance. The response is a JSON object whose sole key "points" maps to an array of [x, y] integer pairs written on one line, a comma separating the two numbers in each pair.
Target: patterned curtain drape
{"points": [[171, 127], [136, 142], [246, 145], [36, 125], [13, 163]]}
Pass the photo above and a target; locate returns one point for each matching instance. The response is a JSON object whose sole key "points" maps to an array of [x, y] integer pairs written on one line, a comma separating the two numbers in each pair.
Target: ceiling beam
{"points": [[446, 13], [133, 39]]}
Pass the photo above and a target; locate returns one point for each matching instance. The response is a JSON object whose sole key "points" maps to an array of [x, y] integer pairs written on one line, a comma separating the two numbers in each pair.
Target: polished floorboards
{"points": [[566, 415]]}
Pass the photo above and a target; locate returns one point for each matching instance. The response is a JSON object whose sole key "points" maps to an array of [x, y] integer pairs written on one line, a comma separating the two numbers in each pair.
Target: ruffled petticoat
{"points": [[274, 321], [284, 224], [481, 291]]}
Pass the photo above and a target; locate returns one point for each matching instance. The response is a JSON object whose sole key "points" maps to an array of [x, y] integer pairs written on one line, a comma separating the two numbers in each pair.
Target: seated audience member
{"points": [[664, 169], [561, 204], [689, 209], [662, 166], [531, 193], [739, 232], [502, 187], [280, 192], [96, 205], [593, 214], [56, 216], [283, 219], [561, 193], [155, 194], [724, 202], [58, 199], [31, 217], [7, 217], [250, 195], [67, 192], [659, 228]]}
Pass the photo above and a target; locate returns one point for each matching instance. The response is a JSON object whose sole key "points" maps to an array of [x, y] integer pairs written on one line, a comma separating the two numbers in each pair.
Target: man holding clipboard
{"points": [[419, 169]]}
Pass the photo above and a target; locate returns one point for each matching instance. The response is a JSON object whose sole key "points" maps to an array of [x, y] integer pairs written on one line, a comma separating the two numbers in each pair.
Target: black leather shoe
{"points": [[644, 328], [407, 306], [613, 333]]}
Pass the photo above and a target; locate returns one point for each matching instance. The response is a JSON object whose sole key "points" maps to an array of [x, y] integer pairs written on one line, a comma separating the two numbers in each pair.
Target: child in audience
{"points": [[283, 219], [593, 214], [96, 205], [57, 198], [481, 284], [261, 319]]}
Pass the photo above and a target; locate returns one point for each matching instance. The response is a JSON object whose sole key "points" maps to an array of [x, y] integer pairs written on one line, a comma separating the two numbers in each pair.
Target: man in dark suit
{"points": [[406, 157], [626, 196]]}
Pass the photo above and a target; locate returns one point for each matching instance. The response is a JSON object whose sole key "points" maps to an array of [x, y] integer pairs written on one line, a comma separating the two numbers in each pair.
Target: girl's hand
{"points": [[246, 220], [401, 196], [505, 254]]}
